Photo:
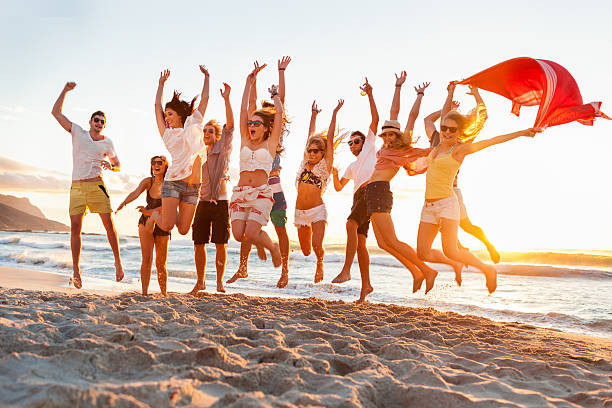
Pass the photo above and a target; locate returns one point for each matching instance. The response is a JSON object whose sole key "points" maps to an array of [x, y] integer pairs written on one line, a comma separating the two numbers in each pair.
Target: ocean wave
{"points": [[47, 261], [10, 241]]}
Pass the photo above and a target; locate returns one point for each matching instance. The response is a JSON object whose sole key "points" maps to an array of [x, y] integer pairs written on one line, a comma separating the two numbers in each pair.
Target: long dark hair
{"points": [[182, 108]]}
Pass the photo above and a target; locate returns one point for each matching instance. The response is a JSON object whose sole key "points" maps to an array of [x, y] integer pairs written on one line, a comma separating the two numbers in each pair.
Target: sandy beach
{"points": [[62, 347]]}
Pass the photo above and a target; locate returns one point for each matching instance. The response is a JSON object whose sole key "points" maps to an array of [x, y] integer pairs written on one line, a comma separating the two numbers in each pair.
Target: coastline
{"points": [[123, 349]]}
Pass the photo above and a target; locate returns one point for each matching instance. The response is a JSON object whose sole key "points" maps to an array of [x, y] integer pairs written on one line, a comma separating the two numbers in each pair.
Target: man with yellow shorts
{"points": [[89, 150]]}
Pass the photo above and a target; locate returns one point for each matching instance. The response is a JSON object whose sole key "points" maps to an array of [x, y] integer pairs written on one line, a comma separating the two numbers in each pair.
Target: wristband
{"points": [[421, 93], [281, 69]]}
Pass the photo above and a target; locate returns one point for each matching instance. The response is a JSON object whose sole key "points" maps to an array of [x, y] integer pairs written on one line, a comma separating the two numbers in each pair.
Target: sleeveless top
{"points": [[153, 202], [441, 171], [251, 160], [318, 176]]}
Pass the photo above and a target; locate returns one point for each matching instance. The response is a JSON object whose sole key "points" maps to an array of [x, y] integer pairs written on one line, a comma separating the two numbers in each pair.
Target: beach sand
{"points": [[63, 347]]}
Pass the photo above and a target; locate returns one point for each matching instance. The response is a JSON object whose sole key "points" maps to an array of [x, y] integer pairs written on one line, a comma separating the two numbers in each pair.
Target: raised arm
{"points": [[159, 111], [313, 119], [469, 148], [330, 136], [253, 98], [282, 66], [367, 88], [229, 114], [244, 107], [59, 103], [416, 107], [430, 123], [205, 91], [474, 92], [395, 104], [144, 184], [448, 103], [277, 128]]}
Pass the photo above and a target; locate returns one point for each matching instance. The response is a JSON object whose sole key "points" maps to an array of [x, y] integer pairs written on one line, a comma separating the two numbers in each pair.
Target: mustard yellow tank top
{"points": [[441, 171]]}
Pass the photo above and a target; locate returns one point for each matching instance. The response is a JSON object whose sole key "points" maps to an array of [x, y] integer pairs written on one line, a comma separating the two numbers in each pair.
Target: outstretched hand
{"points": [[340, 103], [273, 89], [225, 92], [531, 132], [69, 86], [451, 86], [421, 88], [399, 80], [315, 108], [163, 77], [204, 70], [283, 63], [366, 87], [106, 165], [473, 90], [256, 69], [454, 105]]}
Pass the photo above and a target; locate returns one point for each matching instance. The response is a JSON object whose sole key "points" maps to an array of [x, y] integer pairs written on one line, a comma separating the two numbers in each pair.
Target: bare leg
{"points": [[363, 257], [200, 263], [261, 252], [318, 233], [382, 224], [283, 243], [257, 236], [238, 227], [76, 224], [477, 232], [426, 236], [161, 255], [169, 213], [449, 244], [185, 217], [220, 259], [150, 225], [351, 249], [146, 248], [305, 238], [111, 233]]}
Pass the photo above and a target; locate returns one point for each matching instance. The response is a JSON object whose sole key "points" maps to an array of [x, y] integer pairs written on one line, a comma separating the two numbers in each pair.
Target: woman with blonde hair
{"points": [[151, 236], [311, 182], [441, 208]]}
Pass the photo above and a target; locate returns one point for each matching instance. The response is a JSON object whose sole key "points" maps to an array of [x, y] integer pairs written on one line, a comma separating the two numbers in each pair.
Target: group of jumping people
{"points": [[191, 191]]}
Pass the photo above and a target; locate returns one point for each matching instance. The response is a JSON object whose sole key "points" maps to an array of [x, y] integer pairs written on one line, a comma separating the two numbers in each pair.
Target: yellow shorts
{"points": [[89, 194]]}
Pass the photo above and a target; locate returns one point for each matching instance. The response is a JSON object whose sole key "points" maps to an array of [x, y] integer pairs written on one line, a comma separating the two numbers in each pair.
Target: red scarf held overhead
{"points": [[529, 82]]}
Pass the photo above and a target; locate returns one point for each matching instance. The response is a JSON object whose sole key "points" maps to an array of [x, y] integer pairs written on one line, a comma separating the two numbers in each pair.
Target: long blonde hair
{"points": [[471, 124]]}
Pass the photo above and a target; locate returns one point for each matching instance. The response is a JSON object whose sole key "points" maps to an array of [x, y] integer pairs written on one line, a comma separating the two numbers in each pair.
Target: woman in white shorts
{"points": [[311, 181], [252, 198], [441, 209]]}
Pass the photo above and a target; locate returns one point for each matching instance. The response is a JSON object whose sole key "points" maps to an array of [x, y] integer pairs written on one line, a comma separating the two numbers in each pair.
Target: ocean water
{"points": [[574, 295]]}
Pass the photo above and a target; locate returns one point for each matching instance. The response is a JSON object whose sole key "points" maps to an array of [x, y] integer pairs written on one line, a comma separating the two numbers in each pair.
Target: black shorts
{"points": [[211, 221], [359, 211], [157, 232], [379, 197]]}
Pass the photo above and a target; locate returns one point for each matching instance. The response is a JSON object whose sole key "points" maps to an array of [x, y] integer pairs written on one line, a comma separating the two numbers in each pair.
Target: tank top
{"points": [[441, 171], [251, 160]]}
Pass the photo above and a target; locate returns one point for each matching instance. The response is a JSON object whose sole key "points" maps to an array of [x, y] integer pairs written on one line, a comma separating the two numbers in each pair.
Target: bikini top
{"points": [[153, 202], [251, 160], [318, 176]]}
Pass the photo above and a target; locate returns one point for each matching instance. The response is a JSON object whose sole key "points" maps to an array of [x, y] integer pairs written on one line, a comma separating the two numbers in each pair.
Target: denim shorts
{"points": [[185, 192], [434, 211]]}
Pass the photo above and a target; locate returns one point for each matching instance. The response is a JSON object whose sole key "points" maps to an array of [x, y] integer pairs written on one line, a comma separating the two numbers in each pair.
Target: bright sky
{"points": [[550, 192]]}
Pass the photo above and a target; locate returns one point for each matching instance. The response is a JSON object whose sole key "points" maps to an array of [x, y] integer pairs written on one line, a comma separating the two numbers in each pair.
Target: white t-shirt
{"points": [[184, 145], [361, 169], [87, 154]]}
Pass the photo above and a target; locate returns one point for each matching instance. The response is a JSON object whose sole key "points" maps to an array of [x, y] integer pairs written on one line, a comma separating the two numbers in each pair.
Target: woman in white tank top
{"points": [[252, 198]]}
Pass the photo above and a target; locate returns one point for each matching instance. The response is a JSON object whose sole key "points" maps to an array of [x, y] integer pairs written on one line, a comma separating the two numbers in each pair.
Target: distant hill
{"points": [[21, 204], [14, 219]]}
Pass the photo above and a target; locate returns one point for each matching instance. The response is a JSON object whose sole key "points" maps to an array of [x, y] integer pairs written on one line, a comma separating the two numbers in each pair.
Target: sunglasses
{"points": [[157, 162], [355, 142], [314, 150], [450, 129], [209, 130], [256, 123], [96, 120]]}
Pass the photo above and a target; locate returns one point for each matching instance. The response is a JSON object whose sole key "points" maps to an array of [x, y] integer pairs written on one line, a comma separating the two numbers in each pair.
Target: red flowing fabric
{"points": [[529, 82]]}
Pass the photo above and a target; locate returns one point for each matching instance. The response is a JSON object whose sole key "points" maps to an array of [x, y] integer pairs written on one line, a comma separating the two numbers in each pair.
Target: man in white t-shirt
{"points": [[89, 150], [360, 171]]}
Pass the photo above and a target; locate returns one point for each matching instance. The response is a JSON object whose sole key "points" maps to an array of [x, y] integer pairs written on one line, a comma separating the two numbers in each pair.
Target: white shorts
{"points": [[434, 211], [308, 217], [462, 211], [251, 203]]}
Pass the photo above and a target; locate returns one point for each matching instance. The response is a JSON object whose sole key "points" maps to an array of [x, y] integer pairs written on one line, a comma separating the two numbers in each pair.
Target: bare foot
{"points": [[220, 287], [119, 271], [343, 276], [241, 274], [417, 282], [198, 287], [493, 254], [283, 281], [319, 273], [491, 275], [458, 267], [76, 280], [276, 256], [430, 279], [364, 292], [261, 253]]}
